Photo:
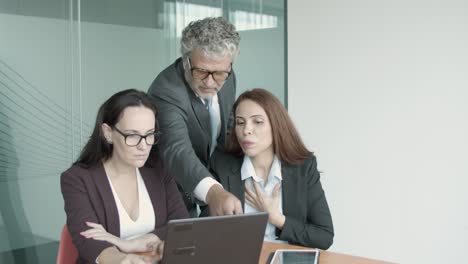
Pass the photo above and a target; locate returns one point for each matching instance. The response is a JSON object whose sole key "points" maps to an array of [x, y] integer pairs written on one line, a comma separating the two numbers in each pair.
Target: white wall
{"points": [[379, 90]]}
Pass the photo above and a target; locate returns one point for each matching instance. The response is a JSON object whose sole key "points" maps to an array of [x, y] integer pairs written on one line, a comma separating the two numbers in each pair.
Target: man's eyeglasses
{"points": [[135, 139], [202, 74]]}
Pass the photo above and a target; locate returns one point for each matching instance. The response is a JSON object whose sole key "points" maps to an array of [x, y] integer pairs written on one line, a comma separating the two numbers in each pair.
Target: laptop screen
{"points": [[218, 239]]}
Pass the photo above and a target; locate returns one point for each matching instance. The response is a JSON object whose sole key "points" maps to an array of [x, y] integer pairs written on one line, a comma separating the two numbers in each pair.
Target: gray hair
{"points": [[214, 35]]}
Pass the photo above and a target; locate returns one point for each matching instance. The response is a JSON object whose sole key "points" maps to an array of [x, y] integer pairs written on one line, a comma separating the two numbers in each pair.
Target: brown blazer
{"points": [[88, 197]]}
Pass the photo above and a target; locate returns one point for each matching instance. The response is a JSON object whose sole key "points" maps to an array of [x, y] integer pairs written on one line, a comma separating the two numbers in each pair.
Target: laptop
{"points": [[216, 239]]}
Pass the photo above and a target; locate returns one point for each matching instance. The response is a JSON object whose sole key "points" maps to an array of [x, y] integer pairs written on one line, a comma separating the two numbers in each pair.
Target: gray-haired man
{"points": [[194, 97]]}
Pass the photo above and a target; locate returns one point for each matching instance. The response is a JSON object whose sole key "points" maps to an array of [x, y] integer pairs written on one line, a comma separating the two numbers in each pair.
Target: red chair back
{"points": [[67, 253]]}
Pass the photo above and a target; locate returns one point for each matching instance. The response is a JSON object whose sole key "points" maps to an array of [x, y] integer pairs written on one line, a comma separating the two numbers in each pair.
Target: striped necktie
{"points": [[213, 121]]}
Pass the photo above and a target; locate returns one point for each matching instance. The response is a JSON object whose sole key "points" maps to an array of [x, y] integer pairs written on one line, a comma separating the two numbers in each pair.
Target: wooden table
{"points": [[325, 257]]}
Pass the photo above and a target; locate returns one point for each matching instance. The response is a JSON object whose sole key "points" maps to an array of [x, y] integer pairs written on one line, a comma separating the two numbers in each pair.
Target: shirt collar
{"points": [[213, 102], [247, 169]]}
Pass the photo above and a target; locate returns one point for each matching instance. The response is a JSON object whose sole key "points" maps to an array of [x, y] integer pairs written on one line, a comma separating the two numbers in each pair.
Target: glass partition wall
{"points": [[59, 60]]}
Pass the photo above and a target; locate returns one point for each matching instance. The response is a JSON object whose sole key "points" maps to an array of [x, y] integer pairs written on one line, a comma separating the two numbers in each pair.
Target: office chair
{"points": [[67, 253]]}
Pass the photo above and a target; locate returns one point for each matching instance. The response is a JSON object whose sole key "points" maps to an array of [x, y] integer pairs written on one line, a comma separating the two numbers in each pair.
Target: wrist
{"points": [[111, 255], [277, 220], [213, 193], [119, 244], [124, 246]]}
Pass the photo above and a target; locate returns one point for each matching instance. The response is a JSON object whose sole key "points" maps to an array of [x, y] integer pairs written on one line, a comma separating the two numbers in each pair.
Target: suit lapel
{"points": [[199, 110], [222, 113], [236, 185], [288, 188], [111, 214], [149, 177], [201, 113]]}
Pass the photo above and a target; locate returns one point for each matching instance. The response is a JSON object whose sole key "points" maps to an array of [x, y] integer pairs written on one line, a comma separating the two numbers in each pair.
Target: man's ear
{"points": [[186, 62]]}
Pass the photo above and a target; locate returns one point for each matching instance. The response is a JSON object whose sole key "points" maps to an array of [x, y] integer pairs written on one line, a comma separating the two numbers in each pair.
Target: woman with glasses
{"points": [[271, 170], [116, 205]]}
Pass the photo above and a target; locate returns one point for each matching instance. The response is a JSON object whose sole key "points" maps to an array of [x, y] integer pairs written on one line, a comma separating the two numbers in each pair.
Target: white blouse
{"points": [[145, 223], [274, 177]]}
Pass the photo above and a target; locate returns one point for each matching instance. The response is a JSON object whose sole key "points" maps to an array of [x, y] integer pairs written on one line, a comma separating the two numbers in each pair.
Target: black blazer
{"points": [[185, 124], [308, 219], [88, 197]]}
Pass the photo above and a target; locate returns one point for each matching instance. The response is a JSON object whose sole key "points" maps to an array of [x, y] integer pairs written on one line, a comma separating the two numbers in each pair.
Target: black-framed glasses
{"points": [[135, 139], [202, 74]]}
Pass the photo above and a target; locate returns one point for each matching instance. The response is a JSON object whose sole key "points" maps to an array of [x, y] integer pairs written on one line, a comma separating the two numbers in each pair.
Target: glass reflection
{"points": [[55, 69]]}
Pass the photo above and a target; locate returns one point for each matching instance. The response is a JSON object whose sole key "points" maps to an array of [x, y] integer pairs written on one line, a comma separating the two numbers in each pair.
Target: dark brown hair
{"points": [[287, 144], [97, 149]]}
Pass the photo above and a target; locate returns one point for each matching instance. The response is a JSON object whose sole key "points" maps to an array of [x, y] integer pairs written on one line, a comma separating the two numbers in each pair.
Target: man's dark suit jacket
{"points": [[308, 219], [185, 125], [88, 197]]}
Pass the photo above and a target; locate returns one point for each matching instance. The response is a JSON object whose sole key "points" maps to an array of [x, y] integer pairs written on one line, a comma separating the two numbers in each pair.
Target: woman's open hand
{"points": [[259, 200]]}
